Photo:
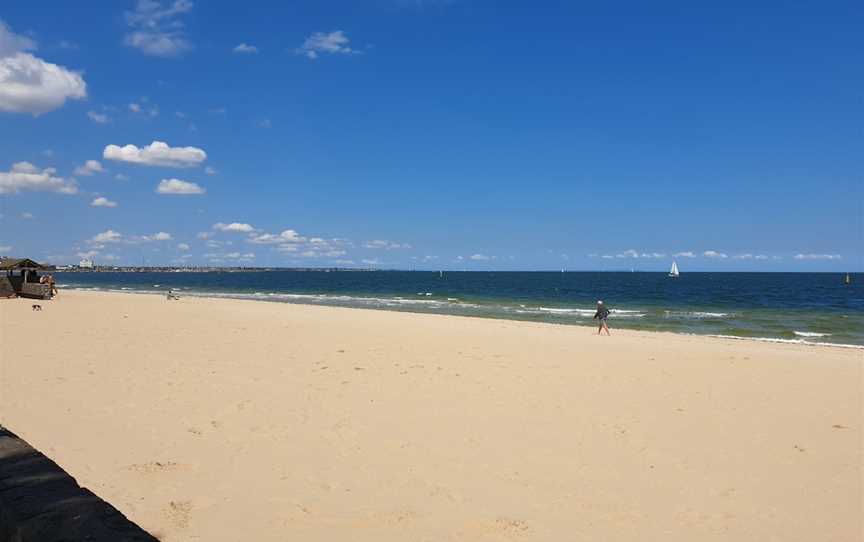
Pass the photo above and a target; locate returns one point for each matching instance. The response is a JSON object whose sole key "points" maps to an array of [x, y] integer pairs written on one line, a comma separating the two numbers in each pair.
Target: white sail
{"points": [[674, 271]]}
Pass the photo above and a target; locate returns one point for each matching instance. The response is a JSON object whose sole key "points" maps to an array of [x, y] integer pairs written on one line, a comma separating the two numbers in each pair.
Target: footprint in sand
{"points": [[178, 513], [154, 466], [498, 527]]}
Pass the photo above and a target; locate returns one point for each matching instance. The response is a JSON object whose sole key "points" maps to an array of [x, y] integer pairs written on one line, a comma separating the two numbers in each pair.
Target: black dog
{"points": [[37, 307]]}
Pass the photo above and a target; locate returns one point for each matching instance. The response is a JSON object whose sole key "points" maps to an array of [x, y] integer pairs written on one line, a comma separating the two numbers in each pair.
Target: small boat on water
{"points": [[848, 279], [674, 271]]}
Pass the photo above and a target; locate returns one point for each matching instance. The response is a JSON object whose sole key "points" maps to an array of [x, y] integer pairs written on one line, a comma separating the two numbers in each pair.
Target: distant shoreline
{"points": [[209, 269]]}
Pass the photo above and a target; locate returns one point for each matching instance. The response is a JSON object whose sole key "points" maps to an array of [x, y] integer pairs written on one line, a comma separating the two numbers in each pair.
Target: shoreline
{"points": [[587, 324]]}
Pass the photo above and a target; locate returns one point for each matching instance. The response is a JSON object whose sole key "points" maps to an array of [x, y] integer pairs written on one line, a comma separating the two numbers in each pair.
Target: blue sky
{"points": [[420, 134]]}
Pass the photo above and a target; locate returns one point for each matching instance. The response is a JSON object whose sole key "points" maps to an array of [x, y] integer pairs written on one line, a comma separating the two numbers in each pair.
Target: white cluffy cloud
{"points": [[107, 236], [335, 42], [287, 236], [156, 29], [183, 246], [386, 245], [28, 84], [157, 153], [714, 254], [103, 202], [24, 176], [178, 187], [480, 257], [818, 257], [235, 227], [89, 168], [245, 48], [160, 236], [688, 254]]}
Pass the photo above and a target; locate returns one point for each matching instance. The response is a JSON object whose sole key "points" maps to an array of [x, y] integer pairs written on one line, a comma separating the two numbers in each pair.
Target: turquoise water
{"points": [[794, 307]]}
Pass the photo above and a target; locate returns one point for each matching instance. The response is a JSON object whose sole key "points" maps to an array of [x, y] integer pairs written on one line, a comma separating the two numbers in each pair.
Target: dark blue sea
{"points": [[793, 307]]}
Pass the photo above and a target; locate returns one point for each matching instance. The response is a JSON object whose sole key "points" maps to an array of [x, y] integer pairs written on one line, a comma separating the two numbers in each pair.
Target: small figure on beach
{"points": [[172, 296], [602, 314]]}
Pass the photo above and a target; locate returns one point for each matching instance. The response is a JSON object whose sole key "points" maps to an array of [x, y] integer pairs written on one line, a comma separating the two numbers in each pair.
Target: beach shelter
{"points": [[20, 277]]}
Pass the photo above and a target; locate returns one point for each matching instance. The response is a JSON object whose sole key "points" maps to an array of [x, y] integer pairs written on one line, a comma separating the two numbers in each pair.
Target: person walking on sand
{"points": [[601, 314]]}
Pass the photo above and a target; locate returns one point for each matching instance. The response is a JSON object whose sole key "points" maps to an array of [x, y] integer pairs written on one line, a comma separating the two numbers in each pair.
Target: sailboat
{"points": [[674, 271], [848, 279]]}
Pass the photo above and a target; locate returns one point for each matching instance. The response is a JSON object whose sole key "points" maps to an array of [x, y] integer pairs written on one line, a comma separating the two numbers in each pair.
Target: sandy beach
{"points": [[228, 420]]}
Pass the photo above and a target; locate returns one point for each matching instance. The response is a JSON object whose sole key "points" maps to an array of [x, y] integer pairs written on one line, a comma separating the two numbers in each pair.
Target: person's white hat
{"points": [[599, 302]]}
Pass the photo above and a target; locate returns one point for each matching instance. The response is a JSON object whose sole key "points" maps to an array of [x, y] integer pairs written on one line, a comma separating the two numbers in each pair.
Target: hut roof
{"points": [[7, 264]]}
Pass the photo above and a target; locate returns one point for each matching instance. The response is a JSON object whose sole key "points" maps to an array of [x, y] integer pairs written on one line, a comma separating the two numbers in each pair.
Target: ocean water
{"points": [[790, 307]]}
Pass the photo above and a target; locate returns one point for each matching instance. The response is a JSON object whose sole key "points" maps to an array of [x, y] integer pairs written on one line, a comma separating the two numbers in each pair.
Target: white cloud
{"points": [[183, 246], [88, 255], [371, 261], [236, 227], [98, 118], [134, 107], [121, 177], [265, 123], [335, 42], [28, 84], [210, 171], [10, 42], [287, 236], [156, 29], [245, 48], [157, 153], [5, 249], [628, 254], [818, 257], [386, 245], [178, 187], [687, 254], [107, 236], [89, 168], [27, 216], [204, 235], [24, 176], [714, 254], [760, 257], [103, 202], [479, 257], [160, 236]]}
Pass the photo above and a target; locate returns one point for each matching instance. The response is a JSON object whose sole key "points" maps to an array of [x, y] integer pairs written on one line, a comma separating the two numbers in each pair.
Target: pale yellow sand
{"points": [[228, 420]]}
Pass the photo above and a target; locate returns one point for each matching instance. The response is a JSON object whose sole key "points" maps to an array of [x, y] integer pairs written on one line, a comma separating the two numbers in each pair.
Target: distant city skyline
{"points": [[451, 135]]}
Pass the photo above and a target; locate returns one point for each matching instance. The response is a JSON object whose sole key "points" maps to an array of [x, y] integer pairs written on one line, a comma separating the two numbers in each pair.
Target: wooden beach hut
{"points": [[20, 277]]}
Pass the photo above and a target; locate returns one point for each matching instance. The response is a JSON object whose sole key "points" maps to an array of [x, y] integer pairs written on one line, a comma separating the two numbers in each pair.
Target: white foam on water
{"points": [[811, 334], [698, 315], [788, 341]]}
